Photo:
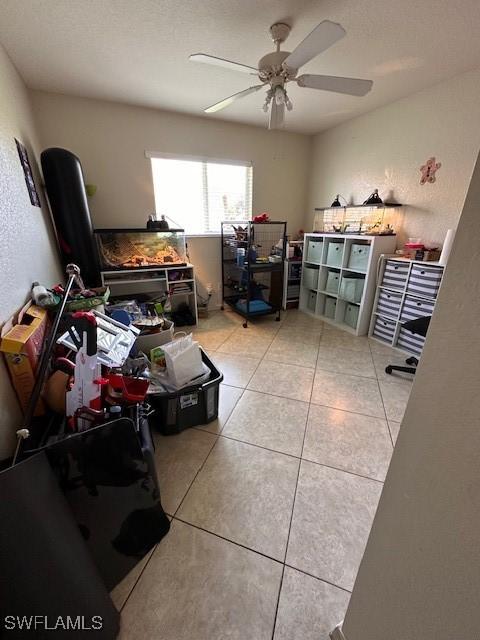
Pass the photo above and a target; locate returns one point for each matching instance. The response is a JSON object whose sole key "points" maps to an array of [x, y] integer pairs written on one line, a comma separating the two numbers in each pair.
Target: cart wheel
{"points": [[388, 369], [411, 360], [222, 308], [244, 325]]}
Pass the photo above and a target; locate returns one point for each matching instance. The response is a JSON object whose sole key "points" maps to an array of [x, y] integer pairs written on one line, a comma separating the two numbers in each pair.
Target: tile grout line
{"points": [[310, 575], [278, 602], [152, 551], [291, 455], [196, 475], [276, 395], [218, 535], [381, 395], [293, 509], [259, 553], [217, 436]]}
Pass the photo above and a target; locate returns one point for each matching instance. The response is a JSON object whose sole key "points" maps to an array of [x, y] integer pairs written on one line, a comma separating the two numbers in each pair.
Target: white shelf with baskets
{"points": [[339, 277], [407, 289]]}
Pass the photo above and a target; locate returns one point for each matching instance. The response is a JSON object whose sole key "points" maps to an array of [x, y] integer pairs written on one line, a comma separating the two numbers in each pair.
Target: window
{"points": [[197, 194]]}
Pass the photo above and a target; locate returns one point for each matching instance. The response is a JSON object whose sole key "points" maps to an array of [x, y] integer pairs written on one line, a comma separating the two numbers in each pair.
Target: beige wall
{"points": [[26, 247], [385, 148], [110, 140], [420, 575]]}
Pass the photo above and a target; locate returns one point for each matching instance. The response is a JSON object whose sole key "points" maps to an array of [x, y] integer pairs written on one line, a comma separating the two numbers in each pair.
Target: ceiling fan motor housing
{"points": [[271, 66]]}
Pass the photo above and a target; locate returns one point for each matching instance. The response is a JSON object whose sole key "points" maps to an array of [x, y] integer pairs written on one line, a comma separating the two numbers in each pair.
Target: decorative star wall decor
{"points": [[429, 169]]}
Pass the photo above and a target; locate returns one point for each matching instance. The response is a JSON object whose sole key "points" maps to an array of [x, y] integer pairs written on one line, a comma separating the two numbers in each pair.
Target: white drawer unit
{"points": [[411, 342], [310, 277], [333, 281], [407, 291], [314, 250], [351, 315], [351, 289], [414, 308], [395, 274], [335, 253], [346, 266], [389, 303], [312, 300], [384, 329], [330, 307], [358, 259], [425, 280]]}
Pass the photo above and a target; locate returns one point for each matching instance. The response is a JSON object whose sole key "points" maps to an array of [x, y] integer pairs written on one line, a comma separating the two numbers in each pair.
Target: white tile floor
{"points": [[273, 502]]}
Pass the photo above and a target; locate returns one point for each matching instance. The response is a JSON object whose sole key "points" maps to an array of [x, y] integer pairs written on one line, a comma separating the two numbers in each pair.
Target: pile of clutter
{"points": [[86, 367]]}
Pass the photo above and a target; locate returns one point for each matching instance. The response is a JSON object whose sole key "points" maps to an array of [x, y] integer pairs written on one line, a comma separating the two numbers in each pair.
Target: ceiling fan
{"points": [[277, 68]]}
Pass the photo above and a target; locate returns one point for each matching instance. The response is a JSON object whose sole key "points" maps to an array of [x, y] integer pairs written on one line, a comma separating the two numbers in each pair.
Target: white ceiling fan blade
{"points": [[321, 38], [349, 86], [277, 115], [236, 96], [220, 62]]}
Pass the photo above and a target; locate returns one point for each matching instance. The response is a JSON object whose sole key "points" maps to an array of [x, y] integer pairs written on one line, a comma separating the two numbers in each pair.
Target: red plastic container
{"points": [[123, 389]]}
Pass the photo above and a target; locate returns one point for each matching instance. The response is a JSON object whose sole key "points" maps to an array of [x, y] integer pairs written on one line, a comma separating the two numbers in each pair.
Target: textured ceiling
{"points": [[137, 52]]}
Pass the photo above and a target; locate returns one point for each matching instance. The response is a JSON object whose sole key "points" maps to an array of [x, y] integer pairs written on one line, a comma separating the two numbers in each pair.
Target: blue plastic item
{"points": [[240, 257], [256, 306]]}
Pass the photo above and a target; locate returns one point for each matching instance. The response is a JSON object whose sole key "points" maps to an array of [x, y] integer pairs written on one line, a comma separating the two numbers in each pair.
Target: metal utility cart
{"points": [[253, 258]]}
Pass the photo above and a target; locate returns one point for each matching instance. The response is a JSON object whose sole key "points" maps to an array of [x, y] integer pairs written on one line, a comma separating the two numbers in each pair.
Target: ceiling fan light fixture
{"points": [[274, 70], [279, 95]]}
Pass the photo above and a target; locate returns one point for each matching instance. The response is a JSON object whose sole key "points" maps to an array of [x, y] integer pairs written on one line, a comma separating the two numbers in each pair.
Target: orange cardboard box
{"points": [[21, 343]]}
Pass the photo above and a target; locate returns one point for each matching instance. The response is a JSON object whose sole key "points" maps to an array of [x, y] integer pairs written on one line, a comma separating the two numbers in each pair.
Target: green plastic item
{"points": [[85, 304]]}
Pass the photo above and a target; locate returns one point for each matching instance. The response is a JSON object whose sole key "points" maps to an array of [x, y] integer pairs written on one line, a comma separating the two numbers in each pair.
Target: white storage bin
{"points": [[358, 258], [395, 274], [311, 301], [310, 277], [314, 250], [411, 342], [425, 280], [351, 289], [414, 308], [333, 281], [330, 307], [334, 253], [389, 303], [384, 329], [351, 315]]}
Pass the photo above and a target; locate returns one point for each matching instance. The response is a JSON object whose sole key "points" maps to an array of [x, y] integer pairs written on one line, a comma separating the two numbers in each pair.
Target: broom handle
{"points": [[73, 272]]}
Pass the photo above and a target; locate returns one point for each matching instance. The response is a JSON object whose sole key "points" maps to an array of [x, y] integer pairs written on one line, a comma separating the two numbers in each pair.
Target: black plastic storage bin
{"points": [[188, 407]]}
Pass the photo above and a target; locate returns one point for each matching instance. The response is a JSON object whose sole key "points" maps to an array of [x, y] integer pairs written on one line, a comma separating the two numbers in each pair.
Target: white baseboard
{"points": [[337, 633]]}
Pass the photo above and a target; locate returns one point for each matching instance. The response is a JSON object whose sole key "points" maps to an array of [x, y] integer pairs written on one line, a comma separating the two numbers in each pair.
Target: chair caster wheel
{"points": [[277, 319], [222, 308], [244, 325], [388, 369], [411, 360]]}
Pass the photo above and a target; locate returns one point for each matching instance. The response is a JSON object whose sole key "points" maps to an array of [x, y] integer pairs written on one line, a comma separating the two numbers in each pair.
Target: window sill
{"points": [[203, 235]]}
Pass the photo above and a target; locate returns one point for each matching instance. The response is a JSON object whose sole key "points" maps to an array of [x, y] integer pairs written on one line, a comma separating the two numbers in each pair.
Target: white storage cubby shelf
{"points": [[407, 289], [131, 281], [339, 277]]}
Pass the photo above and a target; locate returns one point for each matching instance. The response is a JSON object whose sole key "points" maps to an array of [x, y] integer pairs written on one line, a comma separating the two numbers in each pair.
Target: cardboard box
{"points": [[22, 340]]}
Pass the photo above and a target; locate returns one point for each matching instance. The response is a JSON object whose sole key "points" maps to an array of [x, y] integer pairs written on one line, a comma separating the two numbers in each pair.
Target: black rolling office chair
{"points": [[420, 327]]}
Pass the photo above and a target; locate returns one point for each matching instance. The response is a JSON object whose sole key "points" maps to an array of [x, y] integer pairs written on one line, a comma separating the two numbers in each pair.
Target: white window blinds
{"points": [[198, 193]]}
